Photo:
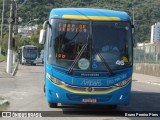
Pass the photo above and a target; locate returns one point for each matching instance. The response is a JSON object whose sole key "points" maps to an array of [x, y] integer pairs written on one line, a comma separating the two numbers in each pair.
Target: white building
{"points": [[155, 33], [27, 31]]}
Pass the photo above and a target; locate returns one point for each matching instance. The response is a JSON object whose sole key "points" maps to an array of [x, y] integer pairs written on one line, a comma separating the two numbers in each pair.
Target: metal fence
{"points": [[147, 54]]}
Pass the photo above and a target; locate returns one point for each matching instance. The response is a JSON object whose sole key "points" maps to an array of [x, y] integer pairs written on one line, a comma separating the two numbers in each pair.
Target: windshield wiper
{"points": [[77, 58], [104, 62]]}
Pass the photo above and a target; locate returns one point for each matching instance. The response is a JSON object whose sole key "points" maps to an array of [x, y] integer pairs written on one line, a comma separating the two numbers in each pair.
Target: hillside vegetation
{"points": [[146, 12]]}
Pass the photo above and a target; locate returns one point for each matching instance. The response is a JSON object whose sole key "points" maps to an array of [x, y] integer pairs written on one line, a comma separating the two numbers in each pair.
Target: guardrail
{"points": [[147, 54]]}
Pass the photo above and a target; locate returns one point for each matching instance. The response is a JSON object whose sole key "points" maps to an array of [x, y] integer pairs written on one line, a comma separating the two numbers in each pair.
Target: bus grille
{"points": [[94, 89]]}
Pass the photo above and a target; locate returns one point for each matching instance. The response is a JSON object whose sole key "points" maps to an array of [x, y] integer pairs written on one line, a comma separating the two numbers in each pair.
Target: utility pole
{"points": [[133, 19], [16, 18], [2, 20], [2, 24], [133, 16], [10, 52]]}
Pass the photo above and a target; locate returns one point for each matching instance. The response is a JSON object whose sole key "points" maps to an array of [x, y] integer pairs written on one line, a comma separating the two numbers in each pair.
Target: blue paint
{"points": [[78, 78], [59, 12]]}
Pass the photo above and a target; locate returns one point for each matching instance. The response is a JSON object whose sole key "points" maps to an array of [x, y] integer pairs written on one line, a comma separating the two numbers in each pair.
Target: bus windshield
{"points": [[30, 52], [113, 40], [108, 42]]}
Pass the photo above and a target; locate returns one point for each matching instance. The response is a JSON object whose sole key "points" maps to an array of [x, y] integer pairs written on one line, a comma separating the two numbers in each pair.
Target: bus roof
{"points": [[89, 14]]}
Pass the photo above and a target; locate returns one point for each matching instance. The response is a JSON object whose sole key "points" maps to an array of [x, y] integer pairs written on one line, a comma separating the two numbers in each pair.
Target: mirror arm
{"points": [[45, 24]]}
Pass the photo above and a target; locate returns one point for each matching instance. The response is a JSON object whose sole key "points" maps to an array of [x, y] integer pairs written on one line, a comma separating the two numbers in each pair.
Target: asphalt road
{"points": [[25, 93]]}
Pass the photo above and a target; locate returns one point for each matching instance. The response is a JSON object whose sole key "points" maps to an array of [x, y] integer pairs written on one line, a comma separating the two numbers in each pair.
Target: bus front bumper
{"points": [[56, 94], [29, 61]]}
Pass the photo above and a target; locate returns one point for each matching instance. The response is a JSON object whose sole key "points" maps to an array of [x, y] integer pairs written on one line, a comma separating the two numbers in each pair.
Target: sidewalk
{"points": [[5, 79], [143, 78], [3, 73]]}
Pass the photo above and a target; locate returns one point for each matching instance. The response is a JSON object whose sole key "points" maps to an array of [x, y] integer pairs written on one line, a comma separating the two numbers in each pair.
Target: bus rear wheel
{"points": [[52, 105]]}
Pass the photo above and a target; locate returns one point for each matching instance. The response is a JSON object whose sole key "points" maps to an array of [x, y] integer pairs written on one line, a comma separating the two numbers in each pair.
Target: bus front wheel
{"points": [[44, 89], [113, 106], [52, 105]]}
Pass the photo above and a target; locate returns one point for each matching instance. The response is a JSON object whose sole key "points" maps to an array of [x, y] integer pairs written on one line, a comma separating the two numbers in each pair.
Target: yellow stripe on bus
{"points": [[86, 92], [80, 92], [102, 18]]}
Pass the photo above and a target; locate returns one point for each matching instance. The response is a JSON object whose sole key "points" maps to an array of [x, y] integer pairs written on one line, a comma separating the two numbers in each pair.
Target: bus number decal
{"points": [[120, 62]]}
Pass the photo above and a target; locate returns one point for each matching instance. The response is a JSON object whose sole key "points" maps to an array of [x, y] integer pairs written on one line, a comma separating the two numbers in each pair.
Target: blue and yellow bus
{"points": [[88, 56], [28, 54]]}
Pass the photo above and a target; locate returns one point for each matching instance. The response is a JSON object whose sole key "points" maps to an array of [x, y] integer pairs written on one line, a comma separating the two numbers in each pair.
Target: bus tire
{"points": [[113, 106], [44, 89], [52, 105]]}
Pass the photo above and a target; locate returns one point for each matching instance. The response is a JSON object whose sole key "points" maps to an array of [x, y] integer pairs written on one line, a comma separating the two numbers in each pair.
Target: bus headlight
{"points": [[55, 80], [124, 82]]}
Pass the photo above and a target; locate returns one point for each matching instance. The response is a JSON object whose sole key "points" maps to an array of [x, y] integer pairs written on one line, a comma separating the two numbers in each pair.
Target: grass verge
{"points": [[3, 107], [2, 58]]}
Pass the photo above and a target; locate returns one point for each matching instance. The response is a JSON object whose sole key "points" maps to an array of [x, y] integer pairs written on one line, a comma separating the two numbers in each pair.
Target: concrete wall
{"points": [[146, 68]]}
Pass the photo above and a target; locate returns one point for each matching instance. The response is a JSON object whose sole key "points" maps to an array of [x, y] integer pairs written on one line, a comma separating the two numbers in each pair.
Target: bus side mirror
{"points": [[42, 36]]}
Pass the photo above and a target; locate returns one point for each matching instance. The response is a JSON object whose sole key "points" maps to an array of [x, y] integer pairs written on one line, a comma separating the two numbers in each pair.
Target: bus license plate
{"points": [[89, 100]]}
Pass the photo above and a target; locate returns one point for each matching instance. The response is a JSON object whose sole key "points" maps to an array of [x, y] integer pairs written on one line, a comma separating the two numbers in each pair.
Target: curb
{"points": [[15, 69]]}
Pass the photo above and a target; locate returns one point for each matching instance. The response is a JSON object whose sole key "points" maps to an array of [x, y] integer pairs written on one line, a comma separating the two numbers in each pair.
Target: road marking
{"points": [[152, 83]]}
